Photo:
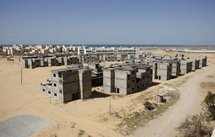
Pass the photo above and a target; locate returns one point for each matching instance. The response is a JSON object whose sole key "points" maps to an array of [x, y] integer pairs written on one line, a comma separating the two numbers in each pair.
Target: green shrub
{"points": [[149, 106], [209, 102]]}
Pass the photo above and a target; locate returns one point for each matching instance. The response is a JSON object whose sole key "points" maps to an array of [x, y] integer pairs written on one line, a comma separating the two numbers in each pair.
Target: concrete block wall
{"points": [[52, 62], [164, 70], [126, 79], [61, 61], [85, 83], [121, 82], [72, 60], [110, 57], [195, 64], [69, 84], [175, 69], [186, 66], [89, 58], [108, 80], [202, 61], [154, 68], [25, 63], [49, 61]]}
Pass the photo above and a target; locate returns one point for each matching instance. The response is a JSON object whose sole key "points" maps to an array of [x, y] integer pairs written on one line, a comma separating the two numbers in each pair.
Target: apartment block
{"points": [[202, 61], [97, 74], [68, 84], [126, 79], [164, 70], [186, 66], [195, 63]]}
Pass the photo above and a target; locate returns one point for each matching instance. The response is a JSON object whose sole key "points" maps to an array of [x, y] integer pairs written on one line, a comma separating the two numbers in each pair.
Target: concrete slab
{"points": [[21, 126]]}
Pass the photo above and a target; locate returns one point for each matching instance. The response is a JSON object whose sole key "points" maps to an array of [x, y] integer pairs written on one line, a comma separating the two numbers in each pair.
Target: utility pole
{"points": [[21, 67], [110, 105], [21, 74]]}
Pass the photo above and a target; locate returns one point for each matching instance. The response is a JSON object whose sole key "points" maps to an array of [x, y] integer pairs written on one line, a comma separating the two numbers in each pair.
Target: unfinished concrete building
{"points": [[195, 63], [127, 79], [186, 66], [202, 61], [89, 58], [164, 70], [31, 63], [68, 84], [110, 57], [97, 74], [154, 68], [52, 61], [121, 57], [69, 60], [175, 68], [44, 61]]}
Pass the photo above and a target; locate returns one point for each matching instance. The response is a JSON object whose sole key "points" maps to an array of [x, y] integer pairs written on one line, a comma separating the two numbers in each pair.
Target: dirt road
{"points": [[188, 104]]}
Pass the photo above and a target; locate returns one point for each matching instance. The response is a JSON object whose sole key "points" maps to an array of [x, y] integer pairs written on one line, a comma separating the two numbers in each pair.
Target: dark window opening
{"points": [[75, 96], [55, 94], [60, 91], [55, 85], [49, 92], [138, 80], [117, 90], [60, 74], [54, 75], [44, 90]]}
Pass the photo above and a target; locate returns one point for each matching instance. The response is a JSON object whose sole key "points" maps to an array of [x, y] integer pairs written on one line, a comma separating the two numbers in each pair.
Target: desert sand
{"points": [[77, 118]]}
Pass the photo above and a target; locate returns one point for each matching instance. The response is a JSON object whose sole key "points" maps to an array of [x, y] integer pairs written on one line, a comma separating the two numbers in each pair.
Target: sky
{"points": [[107, 22]]}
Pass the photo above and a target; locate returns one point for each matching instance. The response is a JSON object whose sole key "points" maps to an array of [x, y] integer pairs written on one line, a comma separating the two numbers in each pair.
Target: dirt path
{"points": [[188, 104]]}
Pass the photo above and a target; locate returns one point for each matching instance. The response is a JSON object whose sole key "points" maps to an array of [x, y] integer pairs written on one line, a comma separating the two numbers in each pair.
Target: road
{"points": [[189, 103]]}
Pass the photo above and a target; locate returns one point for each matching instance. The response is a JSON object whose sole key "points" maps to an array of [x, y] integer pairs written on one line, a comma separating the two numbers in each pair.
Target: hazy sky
{"points": [[107, 21]]}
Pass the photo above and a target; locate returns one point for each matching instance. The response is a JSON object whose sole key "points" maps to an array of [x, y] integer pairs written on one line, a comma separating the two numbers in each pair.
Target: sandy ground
{"points": [[189, 103], [71, 119], [67, 119]]}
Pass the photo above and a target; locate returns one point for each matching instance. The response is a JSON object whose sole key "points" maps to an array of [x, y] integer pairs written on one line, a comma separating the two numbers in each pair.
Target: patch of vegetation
{"points": [[200, 125], [208, 85], [195, 126], [149, 105], [53, 135], [209, 104], [136, 119], [81, 133]]}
